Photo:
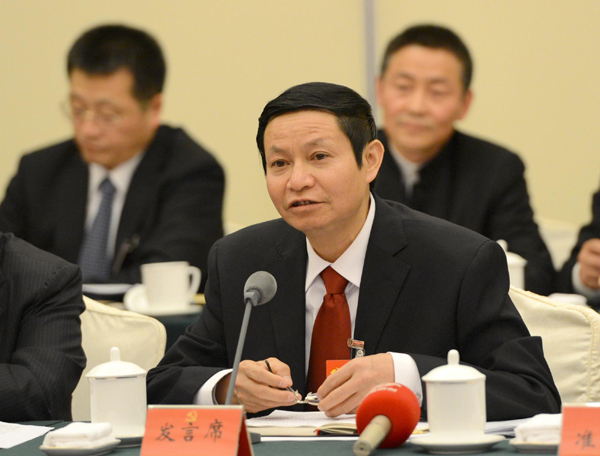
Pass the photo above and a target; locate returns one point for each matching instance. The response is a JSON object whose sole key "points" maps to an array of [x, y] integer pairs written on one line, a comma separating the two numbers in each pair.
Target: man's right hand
{"points": [[589, 261], [258, 389]]}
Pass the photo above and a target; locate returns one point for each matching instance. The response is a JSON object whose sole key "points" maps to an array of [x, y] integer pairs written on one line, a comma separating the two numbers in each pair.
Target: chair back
{"points": [[141, 340], [571, 338]]}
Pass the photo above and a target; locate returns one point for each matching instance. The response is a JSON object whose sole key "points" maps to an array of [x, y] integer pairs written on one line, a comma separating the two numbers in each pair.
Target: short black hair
{"points": [[108, 48], [436, 37], [352, 111]]}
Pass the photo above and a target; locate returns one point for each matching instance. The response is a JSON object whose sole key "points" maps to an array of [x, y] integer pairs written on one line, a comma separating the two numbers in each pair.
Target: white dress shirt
{"points": [[350, 266], [120, 178]]}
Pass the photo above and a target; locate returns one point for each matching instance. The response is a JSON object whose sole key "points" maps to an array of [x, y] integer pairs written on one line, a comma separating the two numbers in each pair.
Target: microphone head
{"points": [[264, 284], [398, 403]]}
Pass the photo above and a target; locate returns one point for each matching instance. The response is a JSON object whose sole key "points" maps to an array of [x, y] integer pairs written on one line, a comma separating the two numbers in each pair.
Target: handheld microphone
{"points": [[386, 418], [259, 289]]}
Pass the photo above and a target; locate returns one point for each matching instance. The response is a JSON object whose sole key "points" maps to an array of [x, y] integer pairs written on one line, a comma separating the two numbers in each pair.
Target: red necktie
{"points": [[331, 331]]}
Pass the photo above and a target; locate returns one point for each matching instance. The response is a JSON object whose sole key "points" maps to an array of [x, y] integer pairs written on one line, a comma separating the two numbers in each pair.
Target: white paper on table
{"points": [[14, 434], [505, 428]]}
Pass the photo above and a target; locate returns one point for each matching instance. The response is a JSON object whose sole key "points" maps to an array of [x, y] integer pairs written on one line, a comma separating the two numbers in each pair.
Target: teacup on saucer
{"points": [[136, 300]]}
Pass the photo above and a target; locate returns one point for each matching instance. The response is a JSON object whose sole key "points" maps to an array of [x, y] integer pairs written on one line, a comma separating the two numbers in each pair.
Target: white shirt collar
{"points": [[350, 264], [120, 176], [409, 169]]}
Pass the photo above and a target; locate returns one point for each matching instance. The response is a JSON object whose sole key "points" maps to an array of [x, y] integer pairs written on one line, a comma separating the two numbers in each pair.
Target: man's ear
{"points": [[372, 159], [466, 104], [154, 110]]}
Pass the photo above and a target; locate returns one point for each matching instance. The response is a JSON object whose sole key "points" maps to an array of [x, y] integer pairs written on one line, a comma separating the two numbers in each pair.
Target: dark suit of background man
{"points": [[581, 272], [169, 190], [429, 166], [41, 358], [418, 286]]}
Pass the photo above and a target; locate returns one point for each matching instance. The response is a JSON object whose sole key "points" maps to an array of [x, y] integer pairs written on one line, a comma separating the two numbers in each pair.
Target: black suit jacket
{"points": [[41, 358], [427, 286], [481, 186], [172, 210]]}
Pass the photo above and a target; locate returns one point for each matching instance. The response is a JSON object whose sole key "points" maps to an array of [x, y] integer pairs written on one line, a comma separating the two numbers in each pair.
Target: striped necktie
{"points": [[93, 257]]}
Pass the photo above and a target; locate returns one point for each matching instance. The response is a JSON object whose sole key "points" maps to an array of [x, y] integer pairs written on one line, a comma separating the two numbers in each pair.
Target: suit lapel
{"points": [[72, 193], [383, 276], [288, 310], [142, 188], [433, 194]]}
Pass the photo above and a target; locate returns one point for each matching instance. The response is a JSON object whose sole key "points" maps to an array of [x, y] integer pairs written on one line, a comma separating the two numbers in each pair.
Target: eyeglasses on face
{"points": [[105, 115]]}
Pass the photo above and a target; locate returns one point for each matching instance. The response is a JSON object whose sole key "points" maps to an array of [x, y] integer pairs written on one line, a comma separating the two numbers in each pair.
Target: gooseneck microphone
{"points": [[259, 289], [386, 418]]}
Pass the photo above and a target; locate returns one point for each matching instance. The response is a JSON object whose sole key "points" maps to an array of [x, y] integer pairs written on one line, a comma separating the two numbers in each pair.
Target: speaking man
{"points": [[349, 265], [424, 88], [125, 190]]}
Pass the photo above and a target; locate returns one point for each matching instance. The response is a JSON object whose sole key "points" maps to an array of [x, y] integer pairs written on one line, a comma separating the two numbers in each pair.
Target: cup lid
{"points": [[115, 367], [453, 372]]}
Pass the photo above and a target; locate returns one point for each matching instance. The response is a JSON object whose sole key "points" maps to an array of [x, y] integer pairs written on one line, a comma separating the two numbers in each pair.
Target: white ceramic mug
{"points": [[170, 284], [118, 396], [455, 401]]}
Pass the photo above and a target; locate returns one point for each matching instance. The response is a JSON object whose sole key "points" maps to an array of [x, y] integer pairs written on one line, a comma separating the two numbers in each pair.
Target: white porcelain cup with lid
{"points": [[455, 401], [118, 396]]}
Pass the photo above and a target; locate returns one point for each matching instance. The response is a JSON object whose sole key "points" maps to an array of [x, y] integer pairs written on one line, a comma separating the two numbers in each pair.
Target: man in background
{"points": [[581, 272], [41, 358], [125, 190], [349, 265], [424, 88]]}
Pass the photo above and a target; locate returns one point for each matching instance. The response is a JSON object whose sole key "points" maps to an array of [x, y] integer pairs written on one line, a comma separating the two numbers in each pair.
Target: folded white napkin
{"points": [[541, 428], [80, 435]]}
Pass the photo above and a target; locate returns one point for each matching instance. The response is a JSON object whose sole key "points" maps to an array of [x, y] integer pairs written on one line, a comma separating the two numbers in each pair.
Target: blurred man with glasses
{"points": [[125, 190]]}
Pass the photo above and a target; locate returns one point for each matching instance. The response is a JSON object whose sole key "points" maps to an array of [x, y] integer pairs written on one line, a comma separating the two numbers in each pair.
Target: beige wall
{"points": [[535, 78]]}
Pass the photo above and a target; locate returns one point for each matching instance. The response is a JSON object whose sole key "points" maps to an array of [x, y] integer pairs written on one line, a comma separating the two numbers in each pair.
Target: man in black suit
{"points": [[581, 272], [417, 286], [424, 88], [41, 358], [165, 191]]}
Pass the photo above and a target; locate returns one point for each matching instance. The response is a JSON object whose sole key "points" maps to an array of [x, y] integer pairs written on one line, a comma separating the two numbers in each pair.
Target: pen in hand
{"points": [[311, 398]]}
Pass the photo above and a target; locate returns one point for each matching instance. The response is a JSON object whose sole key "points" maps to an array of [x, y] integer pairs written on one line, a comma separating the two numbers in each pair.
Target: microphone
{"points": [[386, 418], [259, 289]]}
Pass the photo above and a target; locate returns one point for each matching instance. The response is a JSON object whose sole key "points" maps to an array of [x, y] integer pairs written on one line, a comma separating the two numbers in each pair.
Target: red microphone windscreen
{"points": [[398, 403]]}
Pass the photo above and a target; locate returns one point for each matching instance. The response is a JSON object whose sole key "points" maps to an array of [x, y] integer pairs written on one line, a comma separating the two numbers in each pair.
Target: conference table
{"points": [[287, 448]]}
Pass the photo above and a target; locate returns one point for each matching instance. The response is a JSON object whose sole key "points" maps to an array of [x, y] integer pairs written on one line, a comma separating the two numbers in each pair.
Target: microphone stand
{"points": [[240, 348], [250, 299]]}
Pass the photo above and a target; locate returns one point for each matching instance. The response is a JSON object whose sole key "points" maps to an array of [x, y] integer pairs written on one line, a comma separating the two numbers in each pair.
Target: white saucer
{"points": [[135, 300], [92, 451], [437, 445], [534, 447], [106, 289], [130, 441]]}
